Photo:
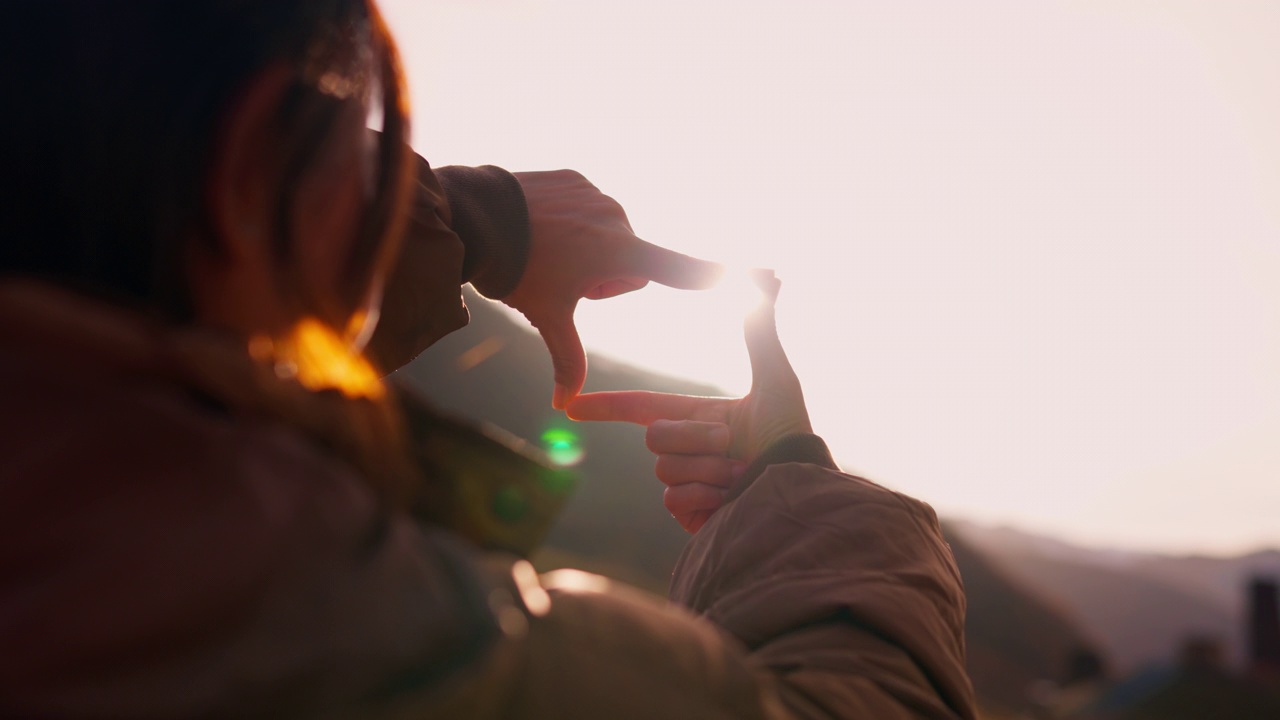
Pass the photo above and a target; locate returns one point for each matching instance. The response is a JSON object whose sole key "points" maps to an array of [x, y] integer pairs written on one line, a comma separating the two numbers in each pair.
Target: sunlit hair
{"points": [[113, 112]]}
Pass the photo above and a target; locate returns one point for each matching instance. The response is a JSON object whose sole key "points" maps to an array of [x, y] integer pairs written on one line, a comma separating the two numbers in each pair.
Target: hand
{"points": [[704, 444], [582, 246]]}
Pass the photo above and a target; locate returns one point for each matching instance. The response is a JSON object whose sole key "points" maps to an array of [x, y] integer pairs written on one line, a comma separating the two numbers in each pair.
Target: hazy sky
{"points": [[1030, 250]]}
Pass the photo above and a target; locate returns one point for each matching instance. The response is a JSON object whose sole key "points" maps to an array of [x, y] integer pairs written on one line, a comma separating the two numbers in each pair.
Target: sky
{"points": [[1029, 250]]}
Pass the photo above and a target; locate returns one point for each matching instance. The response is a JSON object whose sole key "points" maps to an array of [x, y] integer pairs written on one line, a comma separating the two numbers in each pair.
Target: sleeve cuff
{"points": [[796, 448], [489, 214]]}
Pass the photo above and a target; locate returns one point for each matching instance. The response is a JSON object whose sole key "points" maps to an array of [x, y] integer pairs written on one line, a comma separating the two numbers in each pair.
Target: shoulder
{"points": [[83, 438], [205, 559], [128, 483]]}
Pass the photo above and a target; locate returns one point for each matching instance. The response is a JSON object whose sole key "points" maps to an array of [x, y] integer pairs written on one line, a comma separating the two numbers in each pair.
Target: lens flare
{"points": [[563, 447], [739, 288], [321, 359]]}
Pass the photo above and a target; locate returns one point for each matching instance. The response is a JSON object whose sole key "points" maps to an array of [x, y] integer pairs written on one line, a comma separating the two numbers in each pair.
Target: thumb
{"points": [[671, 268], [769, 364], [568, 359], [776, 400]]}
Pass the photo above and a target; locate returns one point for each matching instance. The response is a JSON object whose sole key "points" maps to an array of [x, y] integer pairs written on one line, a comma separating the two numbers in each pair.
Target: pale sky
{"points": [[1030, 250]]}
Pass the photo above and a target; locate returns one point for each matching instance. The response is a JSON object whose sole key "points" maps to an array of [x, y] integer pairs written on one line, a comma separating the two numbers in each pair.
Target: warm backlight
{"points": [[324, 360]]}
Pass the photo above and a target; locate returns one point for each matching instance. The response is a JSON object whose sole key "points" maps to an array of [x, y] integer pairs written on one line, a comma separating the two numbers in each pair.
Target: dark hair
{"points": [[114, 111]]}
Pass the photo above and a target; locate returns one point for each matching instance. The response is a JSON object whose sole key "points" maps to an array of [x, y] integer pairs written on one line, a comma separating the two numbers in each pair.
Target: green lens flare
{"points": [[563, 447]]}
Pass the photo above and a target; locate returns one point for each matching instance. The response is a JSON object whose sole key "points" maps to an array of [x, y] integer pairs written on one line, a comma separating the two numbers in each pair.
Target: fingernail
{"points": [[737, 470], [560, 398]]}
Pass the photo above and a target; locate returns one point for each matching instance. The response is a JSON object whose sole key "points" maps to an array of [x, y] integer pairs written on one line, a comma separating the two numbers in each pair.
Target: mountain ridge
{"points": [[1143, 605]]}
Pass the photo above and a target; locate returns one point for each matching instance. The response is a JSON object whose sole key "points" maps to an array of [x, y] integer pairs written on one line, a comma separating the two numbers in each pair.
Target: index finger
{"points": [[643, 407], [671, 268]]}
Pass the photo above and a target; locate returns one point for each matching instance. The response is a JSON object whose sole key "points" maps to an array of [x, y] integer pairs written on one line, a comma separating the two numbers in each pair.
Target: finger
{"points": [[684, 500], [643, 407], [768, 283], [717, 470], [687, 437], [694, 521], [671, 268], [769, 362], [614, 288], [568, 359]]}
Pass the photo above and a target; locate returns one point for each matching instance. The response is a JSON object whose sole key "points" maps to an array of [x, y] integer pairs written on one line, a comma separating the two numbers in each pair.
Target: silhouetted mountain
{"points": [[1015, 638], [1220, 579], [1141, 606], [497, 371]]}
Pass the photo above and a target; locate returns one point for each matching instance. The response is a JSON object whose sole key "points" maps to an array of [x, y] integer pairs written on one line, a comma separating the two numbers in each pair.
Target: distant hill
{"points": [[1141, 606], [1015, 638], [498, 371]]}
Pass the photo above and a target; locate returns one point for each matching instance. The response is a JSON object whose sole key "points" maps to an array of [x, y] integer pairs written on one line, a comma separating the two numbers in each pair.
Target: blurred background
{"points": [[1030, 249], [1030, 255]]}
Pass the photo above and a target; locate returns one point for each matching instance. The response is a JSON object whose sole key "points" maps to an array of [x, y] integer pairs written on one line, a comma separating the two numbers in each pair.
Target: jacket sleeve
{"points": [[842, 589], [821, 596], [489, 215], [466, 225]]}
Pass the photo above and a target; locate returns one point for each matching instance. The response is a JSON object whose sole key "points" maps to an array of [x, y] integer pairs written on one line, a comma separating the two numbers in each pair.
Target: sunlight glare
{"points": [[1028, 250]]}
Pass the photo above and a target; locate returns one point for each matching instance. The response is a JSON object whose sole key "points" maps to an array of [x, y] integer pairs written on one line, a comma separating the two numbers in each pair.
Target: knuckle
{"points": [[718, 436], [662, 468], [674, 502], [671, 470], [564, 365], [650, 442], [655, 437], [566, 174], [612, 205], [687, 499], [722, 474]]}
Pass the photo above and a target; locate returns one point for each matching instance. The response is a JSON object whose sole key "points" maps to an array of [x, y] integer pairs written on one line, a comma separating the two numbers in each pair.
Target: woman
{"points": [[210, 503]]}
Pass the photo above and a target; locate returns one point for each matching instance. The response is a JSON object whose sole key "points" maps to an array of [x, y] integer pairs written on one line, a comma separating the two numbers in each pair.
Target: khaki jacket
{"points": [[184, 534], [173, 543]]}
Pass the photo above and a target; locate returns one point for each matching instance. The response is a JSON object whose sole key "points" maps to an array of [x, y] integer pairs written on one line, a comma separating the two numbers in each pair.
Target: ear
{"points": [[238, 193]]}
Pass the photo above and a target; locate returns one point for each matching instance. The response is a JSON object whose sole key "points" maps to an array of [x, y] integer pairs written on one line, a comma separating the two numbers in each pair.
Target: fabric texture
{"points": [[808, 548], [465, 225], [488, 210]]}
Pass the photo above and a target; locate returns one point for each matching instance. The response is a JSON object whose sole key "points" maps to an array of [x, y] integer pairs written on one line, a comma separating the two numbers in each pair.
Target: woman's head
{"points": [[205, 159]]}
